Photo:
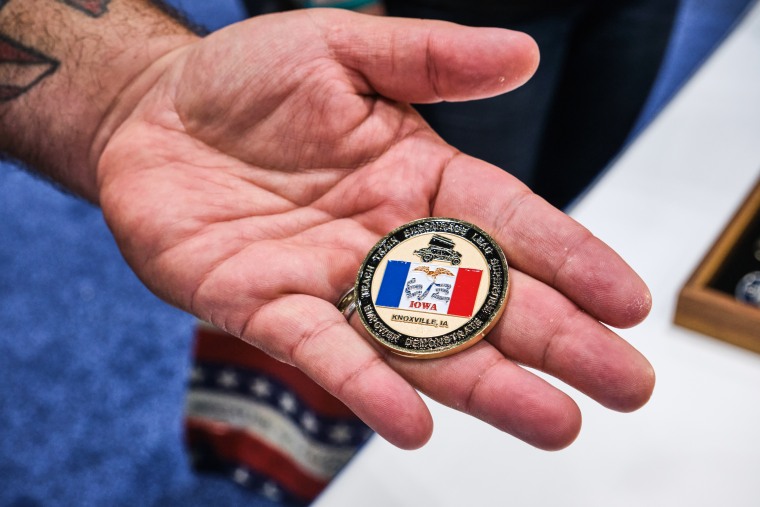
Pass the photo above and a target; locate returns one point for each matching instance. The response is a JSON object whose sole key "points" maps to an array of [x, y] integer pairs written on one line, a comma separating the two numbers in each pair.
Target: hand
{"points": [[246, 175]]}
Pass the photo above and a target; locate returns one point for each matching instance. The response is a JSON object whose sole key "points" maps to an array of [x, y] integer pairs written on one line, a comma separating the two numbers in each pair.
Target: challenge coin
{"points": [[432, 287]]}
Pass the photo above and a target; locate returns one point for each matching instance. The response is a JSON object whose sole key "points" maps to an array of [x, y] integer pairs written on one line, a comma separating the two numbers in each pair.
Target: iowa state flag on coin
{"points": [[420, 287]]}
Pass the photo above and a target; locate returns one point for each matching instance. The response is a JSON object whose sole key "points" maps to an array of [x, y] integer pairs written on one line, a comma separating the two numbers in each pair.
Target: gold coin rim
{"points": [[449, 349]]}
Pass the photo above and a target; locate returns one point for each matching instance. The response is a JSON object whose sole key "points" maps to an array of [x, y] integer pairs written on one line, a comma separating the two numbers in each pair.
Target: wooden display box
{"points": [[707, 302]]}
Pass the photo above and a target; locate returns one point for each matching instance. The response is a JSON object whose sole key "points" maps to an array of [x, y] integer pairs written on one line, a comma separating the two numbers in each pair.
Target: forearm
{"points": [[63, 65]]}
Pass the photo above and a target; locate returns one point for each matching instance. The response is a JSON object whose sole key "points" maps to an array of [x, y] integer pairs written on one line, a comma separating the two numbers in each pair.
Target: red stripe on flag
{"points": [[216, 346], [465, 291], [242, 447]]}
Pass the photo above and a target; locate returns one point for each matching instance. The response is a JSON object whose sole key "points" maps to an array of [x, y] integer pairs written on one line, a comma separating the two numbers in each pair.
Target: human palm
{"points": [[260, 164]]}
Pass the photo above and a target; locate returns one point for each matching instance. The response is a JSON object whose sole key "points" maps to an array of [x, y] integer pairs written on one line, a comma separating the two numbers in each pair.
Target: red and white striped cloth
{"points": [[264, 423]]}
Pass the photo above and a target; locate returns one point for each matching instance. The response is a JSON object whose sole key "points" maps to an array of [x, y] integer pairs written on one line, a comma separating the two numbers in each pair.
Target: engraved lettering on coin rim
{"points": [[474, 329]]}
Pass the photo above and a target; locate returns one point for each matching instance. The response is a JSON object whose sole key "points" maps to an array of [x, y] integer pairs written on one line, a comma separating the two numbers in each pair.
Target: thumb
{"points": [[423, 61]]}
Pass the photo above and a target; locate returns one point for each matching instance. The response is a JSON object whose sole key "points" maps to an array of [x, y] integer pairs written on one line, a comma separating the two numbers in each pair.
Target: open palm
{"points": [[259, 165]]}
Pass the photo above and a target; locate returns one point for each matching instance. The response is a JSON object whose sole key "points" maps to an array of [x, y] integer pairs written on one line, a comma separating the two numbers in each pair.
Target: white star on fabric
{"points": [[197, 375], [270, 490], [261, 388], [241, 476], [288, 403], [228, 379], [340, 434], [309, 422]]}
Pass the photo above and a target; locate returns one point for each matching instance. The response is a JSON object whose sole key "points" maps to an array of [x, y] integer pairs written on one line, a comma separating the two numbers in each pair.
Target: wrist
{"points": [[142, 77], [93, 57]]}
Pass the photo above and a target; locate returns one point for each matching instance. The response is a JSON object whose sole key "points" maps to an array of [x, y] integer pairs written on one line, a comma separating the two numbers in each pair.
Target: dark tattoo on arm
{"points": [[21, 68], [93, 8]]}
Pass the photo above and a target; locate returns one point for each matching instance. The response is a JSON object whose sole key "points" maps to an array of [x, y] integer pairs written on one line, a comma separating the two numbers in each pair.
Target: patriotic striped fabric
{"points": [[264, 423]]}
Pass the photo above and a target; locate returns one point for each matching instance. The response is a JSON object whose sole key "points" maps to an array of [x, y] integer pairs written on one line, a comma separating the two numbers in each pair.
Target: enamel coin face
{"points": [[432, 287]]}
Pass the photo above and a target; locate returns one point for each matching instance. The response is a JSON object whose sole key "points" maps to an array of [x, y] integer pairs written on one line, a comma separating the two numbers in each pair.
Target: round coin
{"points": [[748, 289], [432, 287]]}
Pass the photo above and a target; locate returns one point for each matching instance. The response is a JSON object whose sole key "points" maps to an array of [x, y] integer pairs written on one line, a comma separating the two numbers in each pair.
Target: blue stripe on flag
{"points": [[392, 286]]}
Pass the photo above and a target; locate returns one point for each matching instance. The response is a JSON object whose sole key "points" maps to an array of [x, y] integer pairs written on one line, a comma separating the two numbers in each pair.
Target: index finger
{"points": [[543, 242]]}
